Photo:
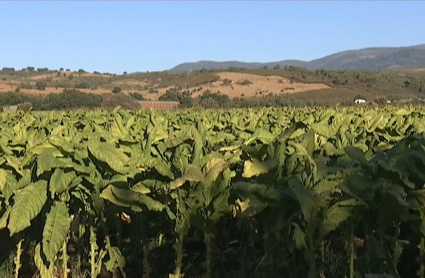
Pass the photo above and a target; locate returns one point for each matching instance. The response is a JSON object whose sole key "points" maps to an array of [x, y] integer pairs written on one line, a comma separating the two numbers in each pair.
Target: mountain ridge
{"points": [[371, 58]]}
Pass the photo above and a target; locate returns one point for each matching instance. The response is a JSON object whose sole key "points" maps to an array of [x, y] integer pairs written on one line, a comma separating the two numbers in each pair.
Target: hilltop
{"points": [[376, 58]]}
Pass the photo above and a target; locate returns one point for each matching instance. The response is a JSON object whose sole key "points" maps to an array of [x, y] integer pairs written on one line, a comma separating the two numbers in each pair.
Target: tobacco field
{"points": [[311, 192]]}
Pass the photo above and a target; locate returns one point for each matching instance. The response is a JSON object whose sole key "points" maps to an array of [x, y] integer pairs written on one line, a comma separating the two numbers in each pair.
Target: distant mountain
{"points": [[377, 58]]}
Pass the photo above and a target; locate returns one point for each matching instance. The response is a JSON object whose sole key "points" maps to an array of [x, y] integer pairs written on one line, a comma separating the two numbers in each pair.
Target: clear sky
{"points": [[133, 36]]}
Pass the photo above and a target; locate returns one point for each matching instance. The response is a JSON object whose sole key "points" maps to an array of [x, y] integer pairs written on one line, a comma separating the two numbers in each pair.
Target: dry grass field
{"points": [[229, 83]]}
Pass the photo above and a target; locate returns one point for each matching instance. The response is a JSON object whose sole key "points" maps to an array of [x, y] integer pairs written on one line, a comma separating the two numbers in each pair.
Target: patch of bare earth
{"points": [[259, 85]]}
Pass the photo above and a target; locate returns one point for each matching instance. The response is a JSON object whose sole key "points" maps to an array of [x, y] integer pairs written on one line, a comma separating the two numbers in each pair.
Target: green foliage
{"points": [[82, 85], [245, 82], [136, 96], [26, 106], [184, 98], [307, 192], [70, 99], [125, 101]]}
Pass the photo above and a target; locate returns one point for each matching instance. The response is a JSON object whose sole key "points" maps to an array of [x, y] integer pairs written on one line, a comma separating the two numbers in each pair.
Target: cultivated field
{"points": [[288, 192]]}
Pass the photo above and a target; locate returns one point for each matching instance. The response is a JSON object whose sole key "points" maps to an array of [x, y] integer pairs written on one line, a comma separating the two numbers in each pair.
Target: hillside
{"points": [[377, 58], [234, 87]]}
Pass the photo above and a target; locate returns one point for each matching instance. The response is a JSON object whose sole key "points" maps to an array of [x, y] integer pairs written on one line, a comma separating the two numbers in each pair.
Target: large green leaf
{"points": [[110, 155], [55, 230], [116, 260], [60, 181], [45, 162], [336, 214], [150, 203], [28, 203], [192, 173], [39, 263]]}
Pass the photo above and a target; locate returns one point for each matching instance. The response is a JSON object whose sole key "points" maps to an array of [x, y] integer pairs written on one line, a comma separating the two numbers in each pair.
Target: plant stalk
{"points": [[93, 247], [352, 250], [18, 257], [422, 258], [179, 250], [208, 239], [64, 260]]}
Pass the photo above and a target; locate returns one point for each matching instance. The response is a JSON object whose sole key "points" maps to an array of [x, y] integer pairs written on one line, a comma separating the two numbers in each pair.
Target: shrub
{"points": [[137, 96], [26, 86], [41, 85], [82, 85], [244, 82], [116, 90], [227, 82], [14, 98], [26, 106], [71, 99], [125, 101]]}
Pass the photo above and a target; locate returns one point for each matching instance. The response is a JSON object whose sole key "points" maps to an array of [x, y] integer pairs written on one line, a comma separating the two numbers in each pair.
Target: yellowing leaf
{"points": [[256, 167], [214, 168]]}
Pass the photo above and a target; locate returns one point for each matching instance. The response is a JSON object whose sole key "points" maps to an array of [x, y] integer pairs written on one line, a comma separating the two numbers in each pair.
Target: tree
{"points": [[277, 67], [30, 68], [124, 73], [61, 69]]}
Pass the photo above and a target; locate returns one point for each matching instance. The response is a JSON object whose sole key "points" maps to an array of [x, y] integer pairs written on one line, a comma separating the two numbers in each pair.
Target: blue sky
{"points": [[133, 36]]}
